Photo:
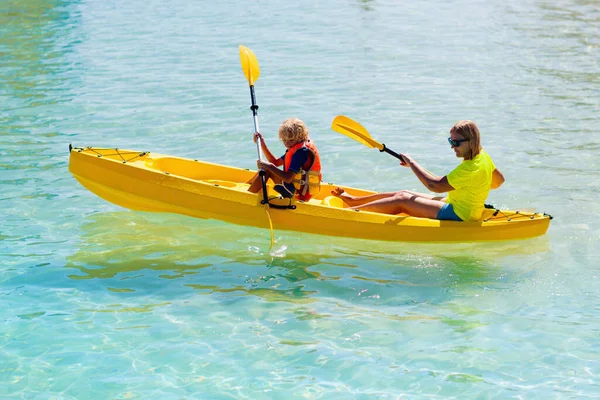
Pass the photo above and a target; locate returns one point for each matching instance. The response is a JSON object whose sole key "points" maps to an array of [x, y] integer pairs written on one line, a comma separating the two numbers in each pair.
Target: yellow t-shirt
{"points": [[471, 181]]}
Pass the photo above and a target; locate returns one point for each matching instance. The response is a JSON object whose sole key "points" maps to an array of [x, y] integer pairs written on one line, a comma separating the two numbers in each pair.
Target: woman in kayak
{"points": [[467, 185], [301, 173]]}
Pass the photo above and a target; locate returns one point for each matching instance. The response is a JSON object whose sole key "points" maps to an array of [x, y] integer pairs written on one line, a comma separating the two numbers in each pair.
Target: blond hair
{"points": [[293, 129], [468, 130]]}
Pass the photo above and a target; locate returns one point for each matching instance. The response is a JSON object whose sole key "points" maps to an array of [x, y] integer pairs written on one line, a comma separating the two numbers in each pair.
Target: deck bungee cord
{"points": [[512, 216], [120, 153]]}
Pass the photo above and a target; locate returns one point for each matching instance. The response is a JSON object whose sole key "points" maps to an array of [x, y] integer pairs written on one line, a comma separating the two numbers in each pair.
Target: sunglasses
{"points": [[456, 143]]}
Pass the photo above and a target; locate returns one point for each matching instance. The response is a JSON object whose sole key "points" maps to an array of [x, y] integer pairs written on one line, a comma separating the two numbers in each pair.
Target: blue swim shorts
{"points": [[447, 213], [283, 191]]}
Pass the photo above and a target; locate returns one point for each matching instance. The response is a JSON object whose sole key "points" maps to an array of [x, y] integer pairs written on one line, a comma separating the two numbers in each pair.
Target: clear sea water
{"points": [[98, 302]]}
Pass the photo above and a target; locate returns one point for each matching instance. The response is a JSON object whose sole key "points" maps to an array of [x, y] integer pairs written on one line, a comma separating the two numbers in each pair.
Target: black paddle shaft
{"points": [[261, 172], [391, 152], [254, 106]]}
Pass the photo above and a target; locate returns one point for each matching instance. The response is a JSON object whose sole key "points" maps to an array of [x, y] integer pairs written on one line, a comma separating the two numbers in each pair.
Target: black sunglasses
{"points": [[456, 143]]}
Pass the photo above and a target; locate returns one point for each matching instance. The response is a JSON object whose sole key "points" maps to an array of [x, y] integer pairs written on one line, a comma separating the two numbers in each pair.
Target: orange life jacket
{"points": [[308, 180]]}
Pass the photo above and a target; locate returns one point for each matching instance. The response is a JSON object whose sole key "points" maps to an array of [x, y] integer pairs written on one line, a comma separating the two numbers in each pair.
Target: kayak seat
{"points": [[332, 201]]}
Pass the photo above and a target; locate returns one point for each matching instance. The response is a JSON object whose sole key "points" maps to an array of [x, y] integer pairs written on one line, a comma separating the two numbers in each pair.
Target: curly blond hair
{"points": [[293, 129]]}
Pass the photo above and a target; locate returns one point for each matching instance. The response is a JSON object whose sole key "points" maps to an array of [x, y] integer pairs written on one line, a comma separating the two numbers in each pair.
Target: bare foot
{"points": [[339, 192]]}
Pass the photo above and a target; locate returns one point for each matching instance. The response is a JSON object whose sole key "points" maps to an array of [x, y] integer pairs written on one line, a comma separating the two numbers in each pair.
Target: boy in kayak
{"points": [[467, 185], [301, 173]]}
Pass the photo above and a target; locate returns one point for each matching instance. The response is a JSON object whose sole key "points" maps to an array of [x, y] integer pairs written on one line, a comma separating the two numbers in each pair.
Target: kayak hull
{"points": [[160, 183]]}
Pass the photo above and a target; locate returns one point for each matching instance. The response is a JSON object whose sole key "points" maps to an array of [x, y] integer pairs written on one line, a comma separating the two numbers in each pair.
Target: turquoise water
{"points": [[100, 302]]}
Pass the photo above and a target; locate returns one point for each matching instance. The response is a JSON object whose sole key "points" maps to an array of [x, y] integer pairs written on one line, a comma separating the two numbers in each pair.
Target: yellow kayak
{"points": [[147, 181]]}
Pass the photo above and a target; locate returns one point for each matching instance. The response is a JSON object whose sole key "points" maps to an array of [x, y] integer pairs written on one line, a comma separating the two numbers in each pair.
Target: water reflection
{"points": [[137, 253], [126, 242], [206, 256]]}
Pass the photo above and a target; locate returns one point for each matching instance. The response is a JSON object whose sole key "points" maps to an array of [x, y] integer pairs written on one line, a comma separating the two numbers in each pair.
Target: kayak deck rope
{"points": [[122, 154], [500, 215]]}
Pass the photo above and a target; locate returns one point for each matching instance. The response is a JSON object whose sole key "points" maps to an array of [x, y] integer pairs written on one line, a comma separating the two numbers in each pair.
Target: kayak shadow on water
{"points": [[136, 252]]}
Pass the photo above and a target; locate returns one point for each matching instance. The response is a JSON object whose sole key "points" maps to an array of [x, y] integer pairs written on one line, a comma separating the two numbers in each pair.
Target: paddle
{"points": [[347, 126], [252, 71]]}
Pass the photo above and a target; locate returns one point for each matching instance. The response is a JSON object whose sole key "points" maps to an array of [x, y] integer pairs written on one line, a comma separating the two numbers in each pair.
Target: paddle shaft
{"points": [[261, 172], [391, 152], [254, 108]]}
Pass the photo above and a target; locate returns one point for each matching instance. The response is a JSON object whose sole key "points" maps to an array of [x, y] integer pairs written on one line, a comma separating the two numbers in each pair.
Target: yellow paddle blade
{"points": [[352, 129], [249, 64]]}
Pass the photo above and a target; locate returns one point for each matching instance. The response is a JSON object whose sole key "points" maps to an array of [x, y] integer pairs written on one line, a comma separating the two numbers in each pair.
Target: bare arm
{"points": [[437, 184], [286, 176], [497, 179], [265, 149]]}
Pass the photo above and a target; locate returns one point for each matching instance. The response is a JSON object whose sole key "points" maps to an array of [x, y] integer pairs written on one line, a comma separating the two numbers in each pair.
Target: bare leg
{"points": [[354, 201], [256, 182], [425, 196], [252, 179], [415, 204]]}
